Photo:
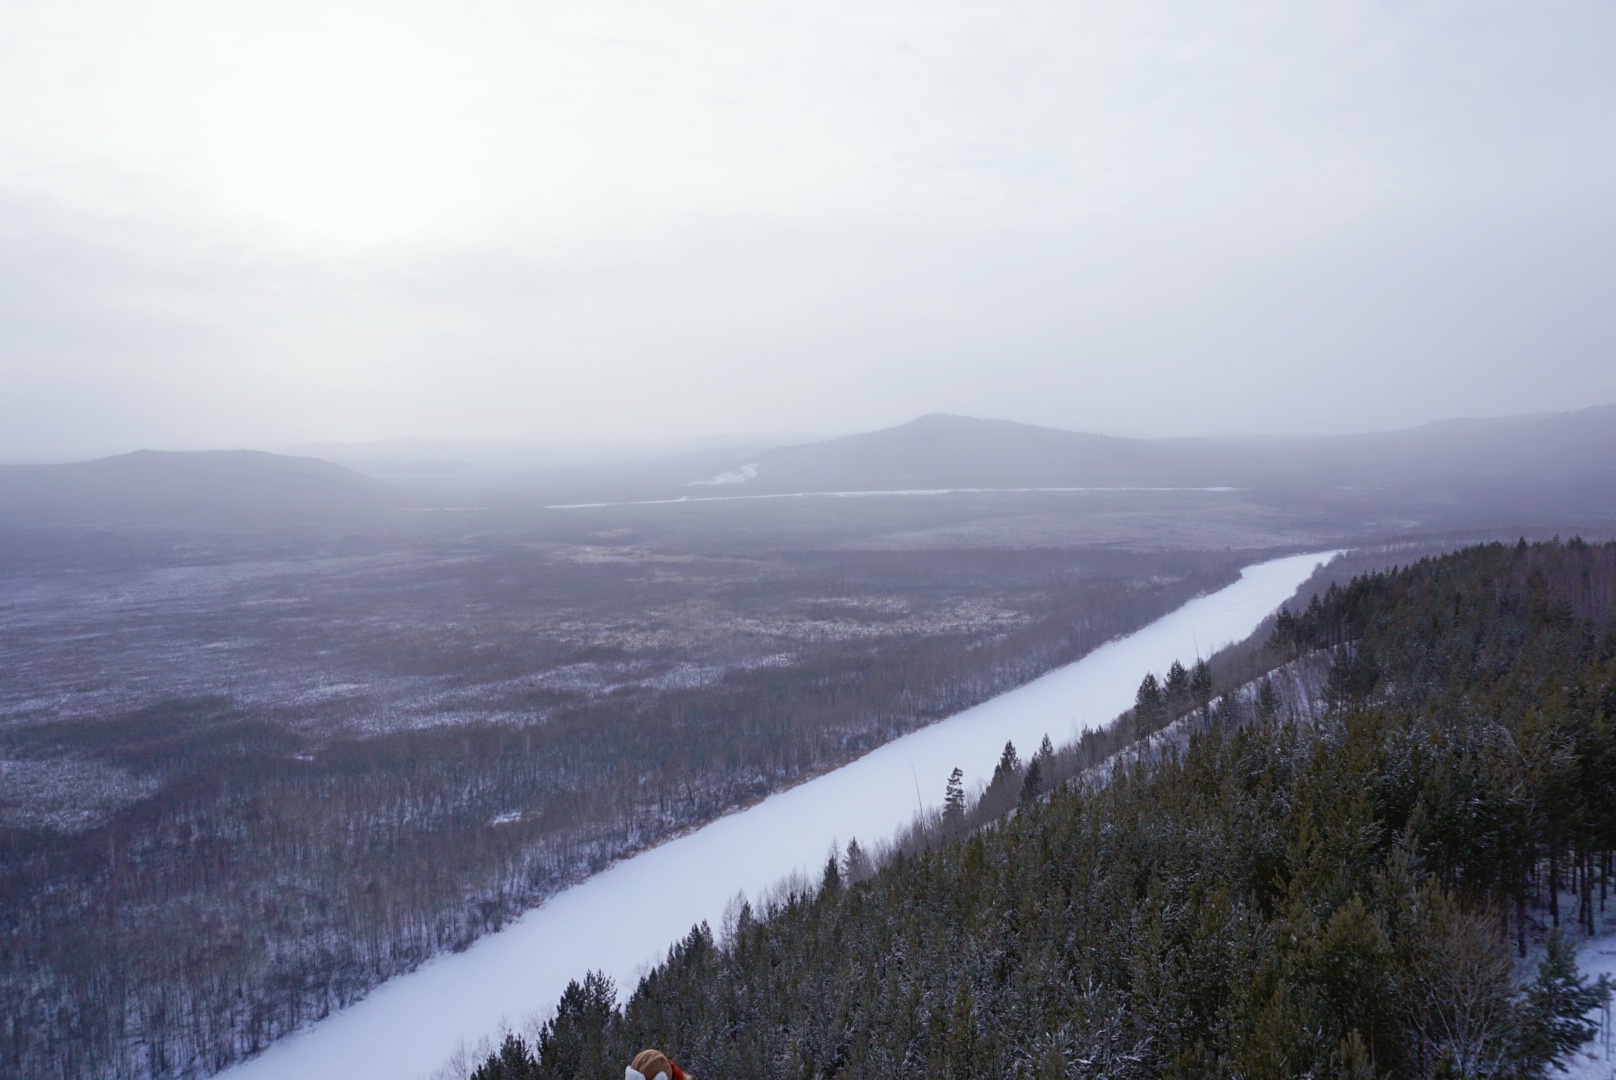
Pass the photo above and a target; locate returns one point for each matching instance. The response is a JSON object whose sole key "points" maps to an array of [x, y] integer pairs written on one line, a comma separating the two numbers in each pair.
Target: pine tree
{"points": [[1032, 785], [1009, 765], [856, 866], [512, 1062], [1354, 672], [1287, 630], [954, 802], [1201, 686], [574, 1042], [1147, 707], [831, 882], [1046, 763], [1267, 700], [1557, 1004], [1178, 683]]}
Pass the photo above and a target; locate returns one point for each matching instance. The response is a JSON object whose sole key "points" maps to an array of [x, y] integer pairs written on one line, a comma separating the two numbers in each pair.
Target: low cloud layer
{"points": [[271, 224]]}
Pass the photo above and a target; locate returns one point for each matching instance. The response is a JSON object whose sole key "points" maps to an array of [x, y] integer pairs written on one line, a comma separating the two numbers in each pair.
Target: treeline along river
{"points": [[628, 915]]}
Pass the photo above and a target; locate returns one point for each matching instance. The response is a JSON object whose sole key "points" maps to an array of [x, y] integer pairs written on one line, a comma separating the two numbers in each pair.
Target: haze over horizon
{"points": [[520, 455], [266, 225]]}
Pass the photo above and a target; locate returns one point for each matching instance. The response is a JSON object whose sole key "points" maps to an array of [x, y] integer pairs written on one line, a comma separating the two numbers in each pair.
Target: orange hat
{"points": [[652, 1065]]}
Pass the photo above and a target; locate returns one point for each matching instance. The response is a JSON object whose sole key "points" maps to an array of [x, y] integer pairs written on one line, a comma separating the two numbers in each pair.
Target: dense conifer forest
{"points": [[1375, 885]]}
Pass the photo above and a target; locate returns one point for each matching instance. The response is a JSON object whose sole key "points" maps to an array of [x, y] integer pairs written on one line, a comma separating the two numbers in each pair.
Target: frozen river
{"points": [[627, 916]]}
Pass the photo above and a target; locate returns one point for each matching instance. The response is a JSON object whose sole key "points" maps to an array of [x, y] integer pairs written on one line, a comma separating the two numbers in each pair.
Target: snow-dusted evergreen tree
{"points": [[1032, 784], [1177, 685], [954, 801], [1149, 704], [1201, 688], [856, 865]]}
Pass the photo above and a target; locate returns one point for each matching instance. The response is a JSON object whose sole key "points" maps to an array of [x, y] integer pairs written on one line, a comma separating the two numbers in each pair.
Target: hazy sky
{"points": [[256, 223]]}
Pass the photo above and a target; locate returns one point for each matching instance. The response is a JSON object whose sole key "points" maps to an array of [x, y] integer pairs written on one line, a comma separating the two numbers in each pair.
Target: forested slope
{"points": [[1341, 893]]}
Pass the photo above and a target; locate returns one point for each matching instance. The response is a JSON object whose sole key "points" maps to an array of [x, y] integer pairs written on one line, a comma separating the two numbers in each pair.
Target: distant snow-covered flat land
{"points": [[627, 916]]}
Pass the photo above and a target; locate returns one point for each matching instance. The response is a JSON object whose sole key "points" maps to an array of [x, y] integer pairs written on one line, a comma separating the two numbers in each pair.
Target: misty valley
{"points": [[274, 731], [897, 540]]}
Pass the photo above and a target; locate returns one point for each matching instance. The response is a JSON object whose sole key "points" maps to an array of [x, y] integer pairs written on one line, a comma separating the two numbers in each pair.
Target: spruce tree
{"points": [[1009, 765], [1201, 686], [954, 802], [830, 883], [1147, 707], [1032, 785], [513, 1061], [1178, 683], [574, 1042], [1267, 700], [856, 866], [1558, 1003]]}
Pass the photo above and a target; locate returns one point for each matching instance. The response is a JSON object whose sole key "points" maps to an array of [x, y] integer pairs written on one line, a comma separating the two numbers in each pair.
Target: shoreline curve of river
{"points": [[627, 916]]}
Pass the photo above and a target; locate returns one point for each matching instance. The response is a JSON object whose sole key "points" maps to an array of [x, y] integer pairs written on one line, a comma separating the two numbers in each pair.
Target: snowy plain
{"points": [[900, 493], [626, 917]]}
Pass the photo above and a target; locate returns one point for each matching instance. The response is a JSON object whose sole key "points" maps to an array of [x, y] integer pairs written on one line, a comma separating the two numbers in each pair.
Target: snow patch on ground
{"points": [[896, 493], [67, 794], [734, 476], [1597, 1059]]}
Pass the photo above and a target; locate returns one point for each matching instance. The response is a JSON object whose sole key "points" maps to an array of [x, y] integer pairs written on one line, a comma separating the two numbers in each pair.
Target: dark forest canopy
{"points": [[1341, 893]]}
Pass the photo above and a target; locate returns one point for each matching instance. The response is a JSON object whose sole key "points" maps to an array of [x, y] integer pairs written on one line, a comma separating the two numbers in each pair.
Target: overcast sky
{"points": [[244, 223]]}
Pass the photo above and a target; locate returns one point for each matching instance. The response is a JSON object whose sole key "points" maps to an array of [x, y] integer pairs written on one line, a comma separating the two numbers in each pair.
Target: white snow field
{"points": [[627, 916], [737, 477], [1597, 1059]]}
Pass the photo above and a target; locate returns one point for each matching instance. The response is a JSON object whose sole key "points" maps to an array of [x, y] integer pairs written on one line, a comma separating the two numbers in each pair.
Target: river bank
{"points": [[626, 917]]}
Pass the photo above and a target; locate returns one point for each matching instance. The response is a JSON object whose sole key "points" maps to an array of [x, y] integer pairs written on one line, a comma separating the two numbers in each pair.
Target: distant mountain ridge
{"points": [[943, 451], [1527, 463], [247, 487]]}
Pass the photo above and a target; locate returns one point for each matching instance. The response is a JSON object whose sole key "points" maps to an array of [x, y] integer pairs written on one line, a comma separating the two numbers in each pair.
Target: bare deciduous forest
{"points": [[381, 755]]}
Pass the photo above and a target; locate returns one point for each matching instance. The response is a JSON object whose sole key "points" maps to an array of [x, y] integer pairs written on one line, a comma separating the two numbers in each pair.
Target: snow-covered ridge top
{"points": [[1299, 696]]}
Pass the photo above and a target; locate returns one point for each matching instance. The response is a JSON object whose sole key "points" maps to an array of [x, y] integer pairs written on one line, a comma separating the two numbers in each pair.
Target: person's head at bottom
{"points": [[653, 1065]]}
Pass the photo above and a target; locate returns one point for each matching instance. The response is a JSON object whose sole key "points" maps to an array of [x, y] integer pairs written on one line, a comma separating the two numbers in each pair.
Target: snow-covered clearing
{"points": [[1597, 1059], [626, 917]]}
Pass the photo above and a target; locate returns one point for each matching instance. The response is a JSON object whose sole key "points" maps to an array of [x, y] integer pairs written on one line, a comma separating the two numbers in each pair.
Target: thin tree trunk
{"points": [[1588, 890], [1576, 888], [1554, 889]]}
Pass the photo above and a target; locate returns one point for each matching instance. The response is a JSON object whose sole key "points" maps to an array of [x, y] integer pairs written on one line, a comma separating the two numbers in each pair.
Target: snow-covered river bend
{"points": [[628, 915]]}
